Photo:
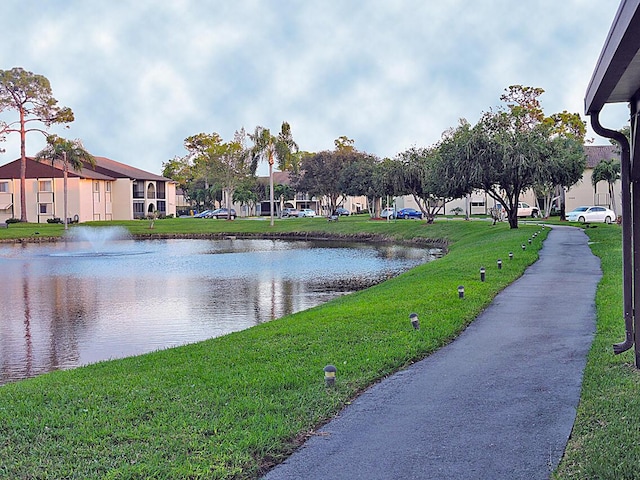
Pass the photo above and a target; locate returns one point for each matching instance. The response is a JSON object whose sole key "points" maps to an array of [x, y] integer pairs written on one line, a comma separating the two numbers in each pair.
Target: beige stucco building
{"points": [[107, 191]]}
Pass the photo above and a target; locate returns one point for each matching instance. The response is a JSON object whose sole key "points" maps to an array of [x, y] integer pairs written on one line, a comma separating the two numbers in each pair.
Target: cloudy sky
{"points": [[142, 75]]}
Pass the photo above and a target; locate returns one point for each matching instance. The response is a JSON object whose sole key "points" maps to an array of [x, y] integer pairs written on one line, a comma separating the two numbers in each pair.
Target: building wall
{"points": [[121, 193], [8, 199]]}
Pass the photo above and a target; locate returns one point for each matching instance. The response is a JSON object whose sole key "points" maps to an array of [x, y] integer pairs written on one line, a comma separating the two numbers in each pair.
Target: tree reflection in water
{"points": [[62, 310]]}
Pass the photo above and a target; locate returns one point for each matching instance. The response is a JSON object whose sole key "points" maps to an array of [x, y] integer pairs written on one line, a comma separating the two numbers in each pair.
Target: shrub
{"points": [[12, 220]]}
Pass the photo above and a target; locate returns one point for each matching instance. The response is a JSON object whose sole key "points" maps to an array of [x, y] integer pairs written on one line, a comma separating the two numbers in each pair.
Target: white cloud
{"points": [[141, 76]]}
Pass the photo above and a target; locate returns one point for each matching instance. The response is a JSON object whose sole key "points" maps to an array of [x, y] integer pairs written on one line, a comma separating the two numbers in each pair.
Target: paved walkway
{"points": [[497, 403]]}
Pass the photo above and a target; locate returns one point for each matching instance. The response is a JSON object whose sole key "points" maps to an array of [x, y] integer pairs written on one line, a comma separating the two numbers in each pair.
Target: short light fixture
{"points": [[499, 264], [330, 375], [415, 322], [529, 241], [482, 274], [510, 255], [461, 291], [524, 247]]}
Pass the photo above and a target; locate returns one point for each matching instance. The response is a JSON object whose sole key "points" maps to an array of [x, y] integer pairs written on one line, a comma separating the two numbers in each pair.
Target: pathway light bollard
{"points": [[524, 247], [499, 264], [482, 273], [461, 291], [529, 241], [414, 321], [330, 375], [510, 255]]}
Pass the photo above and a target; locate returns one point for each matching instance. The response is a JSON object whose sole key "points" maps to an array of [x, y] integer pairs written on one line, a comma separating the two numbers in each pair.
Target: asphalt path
{"points": [[497, 403]]}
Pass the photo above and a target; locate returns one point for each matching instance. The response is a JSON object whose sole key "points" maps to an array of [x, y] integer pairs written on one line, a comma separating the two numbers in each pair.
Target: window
{"points": [[160, 186], [44, 186], [138, 189], [45, 208], [479, 203], [138, 209], [96, 186], [162, 206], [4, 187], [107, 186]]}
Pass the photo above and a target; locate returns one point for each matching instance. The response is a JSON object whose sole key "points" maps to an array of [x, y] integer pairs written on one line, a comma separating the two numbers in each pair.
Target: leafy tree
{"points": [[321, 174], [212, 165], [421, 173], [344, 144], [70, 153], [245, 194], [282, 149], [178, 169], [233, 164], [500, 158], [566, 165], [562, 169], [30, 95], [366, 176], [283, 191], [515, 149], [607, 171]]}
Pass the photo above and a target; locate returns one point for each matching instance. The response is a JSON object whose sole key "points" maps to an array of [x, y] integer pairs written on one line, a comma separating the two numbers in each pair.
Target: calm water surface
{"points": [[70, 304]]}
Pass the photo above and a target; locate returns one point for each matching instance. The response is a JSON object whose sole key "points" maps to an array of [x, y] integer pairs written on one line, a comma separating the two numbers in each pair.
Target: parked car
{"points": [[526, 210], [342, 212], [306, 212], [290, 212], [387, 213], [202, 214], [223, 213], [591, 214], [409, 213]]}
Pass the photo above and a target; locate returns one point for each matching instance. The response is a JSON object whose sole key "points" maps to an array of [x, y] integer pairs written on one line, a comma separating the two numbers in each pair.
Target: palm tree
{"points": [[609, 171], [281, 147], [70, 153]]}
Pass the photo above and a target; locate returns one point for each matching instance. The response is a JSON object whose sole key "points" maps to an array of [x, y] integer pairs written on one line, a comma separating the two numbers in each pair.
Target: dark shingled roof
{"points": [[596, 153], [105, 169]]}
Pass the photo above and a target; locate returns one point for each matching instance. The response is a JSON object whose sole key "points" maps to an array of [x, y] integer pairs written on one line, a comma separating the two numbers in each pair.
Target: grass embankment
{"points": [[605, 442], [229, 407]]}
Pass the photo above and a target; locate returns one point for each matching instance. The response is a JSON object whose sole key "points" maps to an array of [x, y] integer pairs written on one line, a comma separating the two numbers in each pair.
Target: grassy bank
{"points": [[605, 442], [230, 407]]}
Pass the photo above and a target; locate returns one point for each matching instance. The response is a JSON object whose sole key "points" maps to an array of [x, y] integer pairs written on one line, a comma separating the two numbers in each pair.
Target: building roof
{"points": [[279, 178], [105, 169], [596, 153], [120, 170]]}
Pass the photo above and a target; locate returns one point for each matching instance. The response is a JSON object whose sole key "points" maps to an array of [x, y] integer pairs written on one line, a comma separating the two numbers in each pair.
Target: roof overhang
{"points": [[616, 78]]}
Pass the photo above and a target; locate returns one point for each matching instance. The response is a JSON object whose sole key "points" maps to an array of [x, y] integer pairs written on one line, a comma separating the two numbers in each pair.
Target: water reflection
{"points": [[61, 310]]}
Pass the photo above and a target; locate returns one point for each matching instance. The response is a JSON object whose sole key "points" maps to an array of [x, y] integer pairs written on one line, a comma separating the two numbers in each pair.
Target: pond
{"points": [[73, 303]]}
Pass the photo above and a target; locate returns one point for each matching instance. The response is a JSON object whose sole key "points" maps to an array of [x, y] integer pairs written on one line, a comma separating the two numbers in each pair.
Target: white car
{"points": [[526, 210], [591, 214], [306, 212], [388, 213]]}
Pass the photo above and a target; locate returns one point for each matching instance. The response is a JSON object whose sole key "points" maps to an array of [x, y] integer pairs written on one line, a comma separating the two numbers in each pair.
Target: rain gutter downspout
{"points": [[627, 232]]}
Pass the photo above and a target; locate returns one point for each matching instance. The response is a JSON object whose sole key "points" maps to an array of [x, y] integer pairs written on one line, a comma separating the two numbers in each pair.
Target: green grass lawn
{"points": [[605, 442], [232, 406]]}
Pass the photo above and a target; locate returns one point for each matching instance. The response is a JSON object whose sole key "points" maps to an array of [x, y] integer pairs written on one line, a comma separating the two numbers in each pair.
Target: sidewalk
{"points": [[497, 403]]}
